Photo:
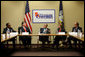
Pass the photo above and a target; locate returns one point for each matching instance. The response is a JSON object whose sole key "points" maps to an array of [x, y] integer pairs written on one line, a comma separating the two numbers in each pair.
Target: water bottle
{"points": [[11, 30], [79, 33], [20, 31], [8, 34], [74, 30], [57, 32]]}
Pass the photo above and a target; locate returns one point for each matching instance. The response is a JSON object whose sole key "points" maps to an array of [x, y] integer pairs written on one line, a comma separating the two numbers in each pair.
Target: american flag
{"points": [[61, 21], [27, 17]]}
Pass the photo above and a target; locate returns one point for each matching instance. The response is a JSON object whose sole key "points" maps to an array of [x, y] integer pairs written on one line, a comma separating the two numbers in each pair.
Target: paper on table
{"points": [[63, 33], [73, 33], [25, 33]]}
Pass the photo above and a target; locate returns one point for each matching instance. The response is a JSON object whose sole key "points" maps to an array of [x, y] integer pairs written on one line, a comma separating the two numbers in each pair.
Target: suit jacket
{"points": [[44, 38], [10, 29], [76, 30], [24, 38], [42, 29], [22, 29]]}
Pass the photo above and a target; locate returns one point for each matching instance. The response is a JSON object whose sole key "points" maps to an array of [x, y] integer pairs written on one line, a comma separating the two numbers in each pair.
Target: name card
{"points": [[73, 33], [13, 34], [61, 33], [25, 33]]}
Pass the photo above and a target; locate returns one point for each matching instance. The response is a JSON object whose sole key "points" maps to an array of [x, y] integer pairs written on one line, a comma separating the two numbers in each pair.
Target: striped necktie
{"points": [[25, 29]]}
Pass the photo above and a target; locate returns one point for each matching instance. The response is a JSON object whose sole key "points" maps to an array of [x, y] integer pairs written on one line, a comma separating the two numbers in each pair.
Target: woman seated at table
{"points": [[59, 38]]}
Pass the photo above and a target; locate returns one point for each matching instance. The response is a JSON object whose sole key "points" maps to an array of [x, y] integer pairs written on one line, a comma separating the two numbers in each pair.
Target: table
{"points": [[78, 38], [7, 38], [82, 39], [44, 35]]}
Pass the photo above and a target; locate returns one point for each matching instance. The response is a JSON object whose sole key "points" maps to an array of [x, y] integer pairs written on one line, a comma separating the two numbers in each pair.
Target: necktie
{"points": [[25, 29], [59, 30]]}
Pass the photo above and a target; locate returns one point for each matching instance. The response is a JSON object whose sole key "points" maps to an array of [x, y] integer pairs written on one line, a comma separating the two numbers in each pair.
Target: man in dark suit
{"points": [[76, 28], [26, 40], [44, 39], [9, 29], [59, 38]]}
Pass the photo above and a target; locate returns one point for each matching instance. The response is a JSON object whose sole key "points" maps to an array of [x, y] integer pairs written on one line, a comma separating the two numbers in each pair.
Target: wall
{"points": [[13, 12]]}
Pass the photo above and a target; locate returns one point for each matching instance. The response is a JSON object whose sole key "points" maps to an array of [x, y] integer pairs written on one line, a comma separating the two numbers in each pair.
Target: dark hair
{"points": [[77, 23], [23, 22], [7, 24]]}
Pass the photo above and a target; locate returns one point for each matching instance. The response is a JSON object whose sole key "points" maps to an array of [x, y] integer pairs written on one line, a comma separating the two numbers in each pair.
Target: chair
{"points": [[38, 41], [20, 42]]}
